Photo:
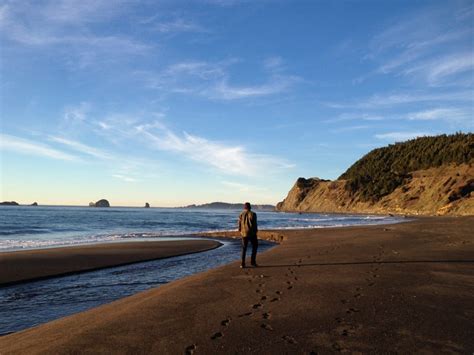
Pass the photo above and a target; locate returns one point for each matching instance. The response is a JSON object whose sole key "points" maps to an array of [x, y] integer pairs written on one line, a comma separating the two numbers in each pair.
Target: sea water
{"points": [[26, 227]]}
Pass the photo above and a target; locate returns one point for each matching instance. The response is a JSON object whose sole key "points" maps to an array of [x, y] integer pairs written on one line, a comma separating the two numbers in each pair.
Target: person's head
{"points": [[247, 206]]}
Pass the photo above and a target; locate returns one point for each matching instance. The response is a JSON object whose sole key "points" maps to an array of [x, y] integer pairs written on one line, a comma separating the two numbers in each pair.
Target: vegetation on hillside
{"points": [[382, 170]]}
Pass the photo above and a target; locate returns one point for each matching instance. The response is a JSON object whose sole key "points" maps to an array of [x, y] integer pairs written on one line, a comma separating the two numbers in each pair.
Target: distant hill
{"points": [[9, 203], [428, 175], [230, 206]]}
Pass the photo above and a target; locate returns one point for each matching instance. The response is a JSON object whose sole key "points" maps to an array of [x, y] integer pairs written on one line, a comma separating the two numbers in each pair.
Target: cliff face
{"points": [[448, 189]]}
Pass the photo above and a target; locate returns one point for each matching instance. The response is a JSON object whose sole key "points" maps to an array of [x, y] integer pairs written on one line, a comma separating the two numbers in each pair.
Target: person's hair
{"points": [[247, 206]]}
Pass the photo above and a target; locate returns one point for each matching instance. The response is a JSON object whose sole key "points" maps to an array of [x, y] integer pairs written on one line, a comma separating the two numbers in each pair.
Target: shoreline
{"points": [[362, 288], [38, 264]]}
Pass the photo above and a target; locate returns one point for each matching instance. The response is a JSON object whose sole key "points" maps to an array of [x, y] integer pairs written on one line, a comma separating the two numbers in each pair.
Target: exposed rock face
{"points": [[448, 189], [147, 205], [100, 203], [34, 204], [9, 203]]}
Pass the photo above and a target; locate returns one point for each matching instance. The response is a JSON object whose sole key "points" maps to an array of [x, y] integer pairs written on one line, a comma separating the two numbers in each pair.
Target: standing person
{"points": [[248, 230]]}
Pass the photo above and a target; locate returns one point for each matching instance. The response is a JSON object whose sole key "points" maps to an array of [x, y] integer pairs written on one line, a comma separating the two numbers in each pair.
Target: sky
{"points": [[180, 102]]}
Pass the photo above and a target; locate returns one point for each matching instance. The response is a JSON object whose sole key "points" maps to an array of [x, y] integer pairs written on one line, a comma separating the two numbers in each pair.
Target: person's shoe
{"points": [[254, 265]]}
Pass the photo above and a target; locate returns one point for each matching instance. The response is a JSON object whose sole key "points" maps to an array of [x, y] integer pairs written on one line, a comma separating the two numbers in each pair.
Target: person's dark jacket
{"points": [[248, 224]]}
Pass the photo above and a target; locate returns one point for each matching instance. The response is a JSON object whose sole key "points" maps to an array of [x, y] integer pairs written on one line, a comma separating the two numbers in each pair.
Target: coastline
{"points": [[364, 288], [36, 264]]}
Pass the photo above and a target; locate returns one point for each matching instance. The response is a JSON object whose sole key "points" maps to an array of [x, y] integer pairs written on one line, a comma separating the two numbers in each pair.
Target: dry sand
{"points": [[383, 289], [21, 266]]}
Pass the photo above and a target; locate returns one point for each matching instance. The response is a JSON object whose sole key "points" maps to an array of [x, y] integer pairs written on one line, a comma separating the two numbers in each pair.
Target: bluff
{"points": [[423, 176]]}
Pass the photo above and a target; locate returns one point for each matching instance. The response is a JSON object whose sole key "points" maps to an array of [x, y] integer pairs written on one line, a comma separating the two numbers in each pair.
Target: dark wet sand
{"points": [[402, 288], [21, 266]]}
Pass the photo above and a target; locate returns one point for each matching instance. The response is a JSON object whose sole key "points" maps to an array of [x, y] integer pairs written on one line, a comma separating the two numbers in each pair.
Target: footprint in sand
{"points": [[275, 299], [263, 298], [190, 349], [352, 310], [257, 306], [225, 322], [278, 292], [266, 326], [258, 290], [217, 336], [266, 315], [289, 282], [289, 339], [289, 287], [245, 314]]}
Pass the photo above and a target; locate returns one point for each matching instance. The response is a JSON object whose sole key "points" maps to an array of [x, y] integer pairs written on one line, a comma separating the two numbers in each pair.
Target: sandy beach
{"points": [[399, 288], [27, 265]]}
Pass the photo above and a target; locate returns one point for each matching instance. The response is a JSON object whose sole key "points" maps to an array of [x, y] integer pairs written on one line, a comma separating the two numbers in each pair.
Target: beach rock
{"points": [[100, 203], [34, 204], [9, 203], [147, 205]]}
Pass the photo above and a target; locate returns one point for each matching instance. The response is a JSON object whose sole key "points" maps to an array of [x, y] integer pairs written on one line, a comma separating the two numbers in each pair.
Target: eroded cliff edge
{"points": [[387, 180]]}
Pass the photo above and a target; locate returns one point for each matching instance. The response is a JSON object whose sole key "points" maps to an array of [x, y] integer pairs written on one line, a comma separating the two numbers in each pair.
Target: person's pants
{"points": [[245, 242]]}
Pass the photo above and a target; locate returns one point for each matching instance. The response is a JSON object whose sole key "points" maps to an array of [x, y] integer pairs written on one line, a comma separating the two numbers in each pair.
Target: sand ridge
{"points": [[27, 265]]}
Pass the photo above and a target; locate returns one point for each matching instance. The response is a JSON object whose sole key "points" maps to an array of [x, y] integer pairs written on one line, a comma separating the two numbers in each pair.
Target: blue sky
{"points": [[177, 102]]}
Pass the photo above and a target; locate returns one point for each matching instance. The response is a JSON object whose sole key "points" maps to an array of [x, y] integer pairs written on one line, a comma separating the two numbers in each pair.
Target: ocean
{"points": [[28, 227], [36, 302]]}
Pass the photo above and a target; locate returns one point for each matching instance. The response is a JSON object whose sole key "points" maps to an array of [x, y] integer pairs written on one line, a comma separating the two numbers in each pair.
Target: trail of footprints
{"points": [[259, 306], [347, 327]]}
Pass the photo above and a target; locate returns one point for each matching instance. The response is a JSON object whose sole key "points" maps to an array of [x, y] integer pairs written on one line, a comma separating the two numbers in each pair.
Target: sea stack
{"points": [[34, 204], [100, 203], [147, 205]]}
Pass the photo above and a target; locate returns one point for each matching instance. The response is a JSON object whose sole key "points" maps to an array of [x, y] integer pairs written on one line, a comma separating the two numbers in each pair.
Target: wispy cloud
{"points": [[69, 26], [400, 136], [29, 147], [82, 148], [229, 159], [443, 68], [213, 80], [403, 98], [442, 113], [276, 84], [428, 46], [178, 25]]}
